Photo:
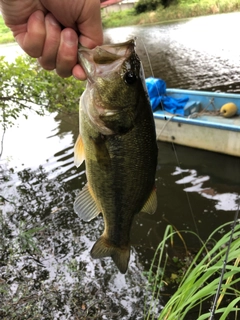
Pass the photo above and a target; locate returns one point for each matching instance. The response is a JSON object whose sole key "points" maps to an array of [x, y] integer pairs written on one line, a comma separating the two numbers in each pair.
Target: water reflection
{"points": [[47, 247], [224, 201], [34, 141], [200, 53], [44, 247], [47, 253]]}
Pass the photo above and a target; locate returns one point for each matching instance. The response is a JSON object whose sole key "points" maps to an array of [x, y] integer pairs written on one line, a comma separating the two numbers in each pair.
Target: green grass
{"points": [[199, 284], [184, 9], [5, 33]]}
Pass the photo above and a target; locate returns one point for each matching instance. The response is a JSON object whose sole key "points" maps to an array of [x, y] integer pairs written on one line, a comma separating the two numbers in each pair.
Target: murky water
{"points": [[197, 190], [200, 53]]}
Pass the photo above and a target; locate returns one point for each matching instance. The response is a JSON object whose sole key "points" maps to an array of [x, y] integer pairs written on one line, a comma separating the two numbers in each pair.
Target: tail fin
{"points": [[102, 249]]}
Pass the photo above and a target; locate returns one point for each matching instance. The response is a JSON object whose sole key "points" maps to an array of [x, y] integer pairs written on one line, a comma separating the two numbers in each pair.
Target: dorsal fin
{"points": [[85, 206], [79, 155], [150, 205]]}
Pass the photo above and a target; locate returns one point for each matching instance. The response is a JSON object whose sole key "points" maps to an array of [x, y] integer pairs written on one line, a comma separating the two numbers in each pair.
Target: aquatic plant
{"points": [[199, 284]]}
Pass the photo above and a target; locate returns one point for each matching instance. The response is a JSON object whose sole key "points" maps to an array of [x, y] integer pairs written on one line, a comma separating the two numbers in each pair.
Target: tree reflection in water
{"points": [[46, 270]]}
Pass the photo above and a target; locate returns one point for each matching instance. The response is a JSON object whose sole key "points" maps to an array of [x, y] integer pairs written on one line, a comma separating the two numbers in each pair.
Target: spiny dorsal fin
{"points": [[85, 206], [150, 205], [79, 156], [102, 249]]}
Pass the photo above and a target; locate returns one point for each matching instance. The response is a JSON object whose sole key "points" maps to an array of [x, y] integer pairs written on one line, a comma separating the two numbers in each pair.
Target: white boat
{"points": [[201, 125]]}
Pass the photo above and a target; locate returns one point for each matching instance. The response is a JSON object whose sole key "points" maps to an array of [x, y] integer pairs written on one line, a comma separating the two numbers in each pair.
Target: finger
{"points": [[67, 52], [90, 25], [91, 40], [52, 42], [32, 41], [78, 72]]}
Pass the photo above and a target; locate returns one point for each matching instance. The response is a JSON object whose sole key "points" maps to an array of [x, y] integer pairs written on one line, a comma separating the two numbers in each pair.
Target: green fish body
{"points": [[117, 140]]}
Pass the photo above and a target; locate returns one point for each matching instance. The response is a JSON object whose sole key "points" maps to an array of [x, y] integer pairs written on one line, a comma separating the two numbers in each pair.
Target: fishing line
{"points": [[149, 62], [224, 264], [188, 199], [174, 115], [175, 152]]}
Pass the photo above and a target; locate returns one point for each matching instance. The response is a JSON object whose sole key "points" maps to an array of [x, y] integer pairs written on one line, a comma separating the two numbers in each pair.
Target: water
{"points": [[197, 190], [10, 51], [200, 53]]}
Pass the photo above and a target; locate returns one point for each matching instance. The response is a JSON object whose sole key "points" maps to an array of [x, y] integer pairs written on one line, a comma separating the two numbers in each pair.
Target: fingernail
{"points": [[50, 18], [69, 37], [39, 15]]}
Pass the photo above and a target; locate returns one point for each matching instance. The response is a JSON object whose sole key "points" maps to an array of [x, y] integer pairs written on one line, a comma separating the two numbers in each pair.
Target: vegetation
{"points": [[25, 85], [176, 10], [31, 231], [5, 33], [198, 282], [151, 5], [153, 11]]}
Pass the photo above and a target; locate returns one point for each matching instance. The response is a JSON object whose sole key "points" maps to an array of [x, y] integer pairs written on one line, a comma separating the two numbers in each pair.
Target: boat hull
{"points": [[206, 131]]}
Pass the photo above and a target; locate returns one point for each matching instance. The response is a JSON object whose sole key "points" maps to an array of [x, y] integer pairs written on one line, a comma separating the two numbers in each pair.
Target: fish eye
{"points": [[130, 77]]}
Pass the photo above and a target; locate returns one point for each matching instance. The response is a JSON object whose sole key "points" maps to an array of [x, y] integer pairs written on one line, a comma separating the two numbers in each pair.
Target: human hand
{"points": [[51, 29]]}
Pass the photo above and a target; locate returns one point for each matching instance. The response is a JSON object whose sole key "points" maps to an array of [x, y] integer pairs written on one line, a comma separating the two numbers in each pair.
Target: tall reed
{"points": [[199, 284]]}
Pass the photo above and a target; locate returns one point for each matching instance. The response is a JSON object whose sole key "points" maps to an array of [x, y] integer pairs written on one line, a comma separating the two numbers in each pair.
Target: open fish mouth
{"points": [[103, 60]]}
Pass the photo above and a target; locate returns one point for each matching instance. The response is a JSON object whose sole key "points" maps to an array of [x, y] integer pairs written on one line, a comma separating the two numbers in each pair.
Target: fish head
{"points": [[115, 83]]}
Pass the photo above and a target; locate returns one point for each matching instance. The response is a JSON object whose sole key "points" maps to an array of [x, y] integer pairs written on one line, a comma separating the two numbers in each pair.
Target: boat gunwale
{"points": [[166, 116], [161, 115], [203, 93]]}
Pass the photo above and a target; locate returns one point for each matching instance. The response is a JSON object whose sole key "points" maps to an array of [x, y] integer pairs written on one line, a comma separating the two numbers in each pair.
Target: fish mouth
{"points": [[102, 59]]}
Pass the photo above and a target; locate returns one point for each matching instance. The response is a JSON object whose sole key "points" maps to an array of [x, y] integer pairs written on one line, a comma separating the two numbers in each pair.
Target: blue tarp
{"points": [[157, 94]]}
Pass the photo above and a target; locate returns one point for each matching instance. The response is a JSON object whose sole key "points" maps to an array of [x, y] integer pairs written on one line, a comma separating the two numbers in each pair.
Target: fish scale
{"points": [[117, 140]]}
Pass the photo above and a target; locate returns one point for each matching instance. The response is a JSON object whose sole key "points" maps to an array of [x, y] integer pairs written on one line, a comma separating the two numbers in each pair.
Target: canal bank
{"points": [[179, 11]]}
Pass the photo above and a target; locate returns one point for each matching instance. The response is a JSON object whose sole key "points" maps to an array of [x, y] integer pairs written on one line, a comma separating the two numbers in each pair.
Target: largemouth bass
{"points": [[117, 140]]}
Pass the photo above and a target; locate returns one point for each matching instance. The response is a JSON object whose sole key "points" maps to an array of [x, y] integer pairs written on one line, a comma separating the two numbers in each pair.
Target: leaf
{"points": [[24, 85]]}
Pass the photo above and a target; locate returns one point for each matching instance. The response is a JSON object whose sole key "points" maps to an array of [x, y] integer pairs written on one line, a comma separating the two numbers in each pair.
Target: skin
{"points": [[51, 29]]}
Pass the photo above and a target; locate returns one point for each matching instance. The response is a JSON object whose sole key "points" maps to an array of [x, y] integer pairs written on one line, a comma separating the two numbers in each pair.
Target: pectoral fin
{"points": [[151, 204], [79, 156], [85, 206]]}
